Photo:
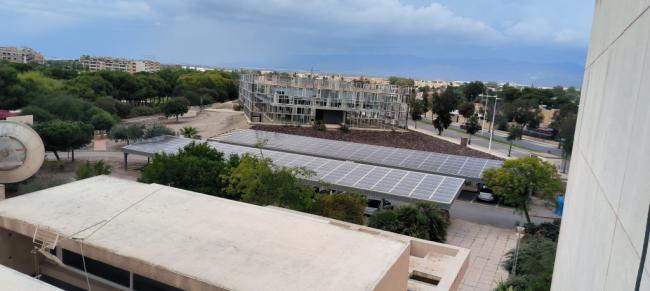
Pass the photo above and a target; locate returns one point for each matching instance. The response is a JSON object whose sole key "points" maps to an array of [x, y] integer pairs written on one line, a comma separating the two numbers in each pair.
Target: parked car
{"points": [[464, 126], [375, 204], [485, 194], [541, 132]]}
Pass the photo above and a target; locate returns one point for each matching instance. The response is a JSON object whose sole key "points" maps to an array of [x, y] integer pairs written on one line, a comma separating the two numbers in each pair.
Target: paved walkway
{"points": [[488, 245]]}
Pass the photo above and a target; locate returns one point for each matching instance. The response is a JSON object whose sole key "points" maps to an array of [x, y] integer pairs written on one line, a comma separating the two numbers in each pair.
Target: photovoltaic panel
{"points": [[342, 175], [435, 163]]}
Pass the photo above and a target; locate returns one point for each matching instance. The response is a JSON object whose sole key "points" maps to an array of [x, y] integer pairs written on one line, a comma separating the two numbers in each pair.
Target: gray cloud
{"points": [[301, 34]]}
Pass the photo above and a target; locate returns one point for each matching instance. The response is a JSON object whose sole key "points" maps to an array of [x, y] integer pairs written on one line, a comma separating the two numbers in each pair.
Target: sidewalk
{"points": [[457, 141]]}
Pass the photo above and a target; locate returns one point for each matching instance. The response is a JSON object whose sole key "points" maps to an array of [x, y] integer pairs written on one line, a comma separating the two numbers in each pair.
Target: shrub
{"points": [[548, 230], [237, 107], [107, 103], [345, 128], [157, 130], [534, 265], [347, 207], [91, 169], [127, 133], [319, 125], [422, 220], [258, 182], [102, 121], [40, 114], [196, 167], [122, 109], [143, 111]]}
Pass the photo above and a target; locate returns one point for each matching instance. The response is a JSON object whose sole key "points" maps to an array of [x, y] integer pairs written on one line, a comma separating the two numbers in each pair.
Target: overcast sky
{"points": [[541, 42]]}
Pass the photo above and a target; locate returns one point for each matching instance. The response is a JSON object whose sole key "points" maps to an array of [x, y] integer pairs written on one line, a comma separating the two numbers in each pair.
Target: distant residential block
{"points": [[94, 64], [21, 55]]}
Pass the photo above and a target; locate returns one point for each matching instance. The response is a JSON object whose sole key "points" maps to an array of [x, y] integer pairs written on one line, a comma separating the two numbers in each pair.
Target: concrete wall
{"points": [[397, 276], [15, 252], [608, 195]]}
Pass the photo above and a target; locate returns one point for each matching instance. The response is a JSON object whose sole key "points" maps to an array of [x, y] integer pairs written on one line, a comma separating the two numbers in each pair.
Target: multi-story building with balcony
{"points": [[302, 101], [94, 64], [21, 55]]}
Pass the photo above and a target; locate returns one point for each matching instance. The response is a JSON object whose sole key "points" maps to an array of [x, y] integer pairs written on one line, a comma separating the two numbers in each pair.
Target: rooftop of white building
{"points": [[173, 235]]}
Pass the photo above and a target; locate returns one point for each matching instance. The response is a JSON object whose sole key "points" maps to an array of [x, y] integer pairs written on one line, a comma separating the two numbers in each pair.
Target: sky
{"points": [[539, 42]]}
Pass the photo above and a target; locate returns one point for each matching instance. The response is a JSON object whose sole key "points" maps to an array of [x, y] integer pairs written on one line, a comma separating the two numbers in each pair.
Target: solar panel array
{"points": [[459, 166], [362, 177]]}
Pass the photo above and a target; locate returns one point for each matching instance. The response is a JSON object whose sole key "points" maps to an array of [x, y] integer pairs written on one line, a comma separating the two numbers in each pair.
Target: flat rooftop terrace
{"points": [[14, 280], [195, 241]]}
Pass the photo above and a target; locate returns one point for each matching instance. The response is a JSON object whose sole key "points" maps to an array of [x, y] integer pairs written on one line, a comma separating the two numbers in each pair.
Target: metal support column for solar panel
{"points": [[126, 161]]}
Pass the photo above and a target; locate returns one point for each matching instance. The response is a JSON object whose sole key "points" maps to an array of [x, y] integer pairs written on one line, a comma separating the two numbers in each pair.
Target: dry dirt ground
{"points": [[400, 139], [209, 123]]}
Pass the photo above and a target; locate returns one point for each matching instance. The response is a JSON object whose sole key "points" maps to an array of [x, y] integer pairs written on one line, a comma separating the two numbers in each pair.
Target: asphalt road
{"points": [[495, 214], [499, 142]]}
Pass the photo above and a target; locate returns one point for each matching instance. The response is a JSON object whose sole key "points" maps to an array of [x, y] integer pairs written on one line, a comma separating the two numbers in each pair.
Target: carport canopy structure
{"points": [[372, 180], [469, 168]]}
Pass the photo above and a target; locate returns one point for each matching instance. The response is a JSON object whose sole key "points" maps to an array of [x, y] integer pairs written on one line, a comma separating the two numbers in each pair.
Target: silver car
{"points": [[485, 194]]}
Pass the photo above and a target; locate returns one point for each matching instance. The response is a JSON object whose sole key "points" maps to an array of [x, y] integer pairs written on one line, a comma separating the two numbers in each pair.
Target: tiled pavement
{"points": [[488, 245]]}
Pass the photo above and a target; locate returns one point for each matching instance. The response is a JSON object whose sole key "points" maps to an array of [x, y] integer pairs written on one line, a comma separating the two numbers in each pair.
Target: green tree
{"points": [[196, 167], [515, 132], [40, 114], [157, 130], [65, 107], [257, 181], [471, 127], [13, 94], [346, 206], [417, 109], [89, 87], [127, 132], [442, 105], [61, 135], [421, 220], [102, 121], [566, 132], [519, 180], [525, 112], [472, 89], [91, 169], [176, 107], [466, 109], [189, 132]]}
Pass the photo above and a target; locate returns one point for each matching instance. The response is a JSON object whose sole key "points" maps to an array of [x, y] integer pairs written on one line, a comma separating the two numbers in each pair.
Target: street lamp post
{"points": [[494, 113], [520, 231]]}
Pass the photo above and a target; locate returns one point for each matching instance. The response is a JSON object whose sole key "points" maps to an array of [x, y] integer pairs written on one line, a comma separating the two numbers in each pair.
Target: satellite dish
{"points": [[21, 152]]}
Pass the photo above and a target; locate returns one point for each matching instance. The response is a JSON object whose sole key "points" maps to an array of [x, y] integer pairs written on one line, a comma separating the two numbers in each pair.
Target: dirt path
{"points": [[208, 123]]}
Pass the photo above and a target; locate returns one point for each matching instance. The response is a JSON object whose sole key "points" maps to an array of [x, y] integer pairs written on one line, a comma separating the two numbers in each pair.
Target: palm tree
{"points": [[190, 132]]}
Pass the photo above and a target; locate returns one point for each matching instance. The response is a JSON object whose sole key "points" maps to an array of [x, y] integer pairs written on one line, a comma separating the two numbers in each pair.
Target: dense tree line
{"points": [[64, 100], [516, 108]]}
